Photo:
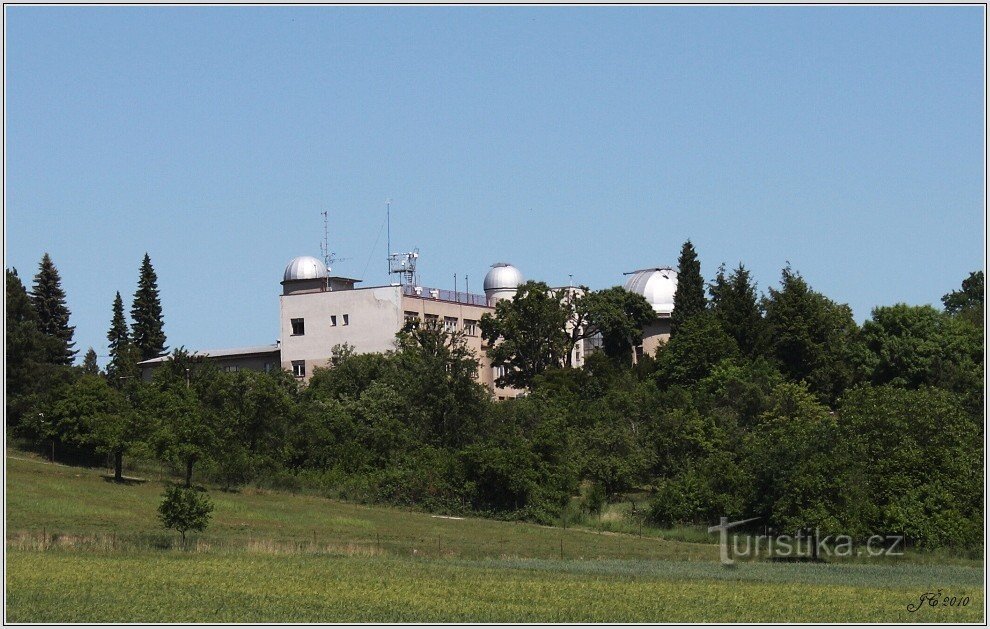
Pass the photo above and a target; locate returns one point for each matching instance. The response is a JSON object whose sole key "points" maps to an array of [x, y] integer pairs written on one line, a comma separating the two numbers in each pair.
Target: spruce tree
{"points": [[737, 309], [119, 338], [48, 299], [689, 298], [26, 349], [90, 366], [146, 313]]}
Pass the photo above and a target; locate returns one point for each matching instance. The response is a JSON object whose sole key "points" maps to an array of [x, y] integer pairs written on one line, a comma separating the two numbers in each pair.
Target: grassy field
{"points": [[80, 549]]}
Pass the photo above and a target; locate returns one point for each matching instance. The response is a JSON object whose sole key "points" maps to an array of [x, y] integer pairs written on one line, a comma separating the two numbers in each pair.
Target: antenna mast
{"points": [[388, 234]]}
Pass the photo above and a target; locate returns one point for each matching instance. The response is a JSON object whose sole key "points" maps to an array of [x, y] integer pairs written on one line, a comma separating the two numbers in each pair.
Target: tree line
{"points": [[776, 406]]}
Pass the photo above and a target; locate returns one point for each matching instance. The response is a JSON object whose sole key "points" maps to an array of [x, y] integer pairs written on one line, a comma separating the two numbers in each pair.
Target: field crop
{"points": [[80, 549]]}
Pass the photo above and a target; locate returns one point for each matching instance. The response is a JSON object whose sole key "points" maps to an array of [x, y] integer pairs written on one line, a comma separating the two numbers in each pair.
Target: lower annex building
{"points": [[318, 311]]}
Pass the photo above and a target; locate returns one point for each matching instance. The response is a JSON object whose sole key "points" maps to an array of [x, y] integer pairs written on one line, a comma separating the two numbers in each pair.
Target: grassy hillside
{"points": [[85, 550]]}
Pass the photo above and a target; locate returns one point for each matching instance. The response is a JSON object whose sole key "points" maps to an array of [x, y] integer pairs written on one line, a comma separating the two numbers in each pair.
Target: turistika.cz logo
{"points": [[799, 545]]}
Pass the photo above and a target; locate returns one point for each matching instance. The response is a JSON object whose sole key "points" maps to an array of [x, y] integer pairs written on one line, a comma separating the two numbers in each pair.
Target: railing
{"points": [[459, 297]]}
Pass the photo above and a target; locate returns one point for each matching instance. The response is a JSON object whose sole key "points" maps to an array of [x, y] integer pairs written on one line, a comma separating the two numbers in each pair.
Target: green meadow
{"points": [[81, 549]]}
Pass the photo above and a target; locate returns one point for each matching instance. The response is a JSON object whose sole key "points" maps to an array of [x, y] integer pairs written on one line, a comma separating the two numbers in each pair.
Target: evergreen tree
{"points": [[689, 298], [123, 354], [26, 349], [146, 312], [48, 299], [90, 365], [737, 309]]}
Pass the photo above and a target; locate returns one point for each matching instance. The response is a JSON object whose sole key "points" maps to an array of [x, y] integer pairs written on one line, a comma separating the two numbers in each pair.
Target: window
{"points": [[333, 321], [269, 367], [411, 318], [450, 324], [230, 368], [347, 320], [298, 327], [299, 368], [470, 327], [431, 321]]}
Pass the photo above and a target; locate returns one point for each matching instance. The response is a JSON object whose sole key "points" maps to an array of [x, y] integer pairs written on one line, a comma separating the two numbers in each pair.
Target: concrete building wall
{"points": [[367, 318], [655, 334]]}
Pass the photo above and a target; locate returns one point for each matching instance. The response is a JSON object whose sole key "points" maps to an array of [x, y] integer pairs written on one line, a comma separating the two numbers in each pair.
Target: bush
{"points": [[184, 509]]}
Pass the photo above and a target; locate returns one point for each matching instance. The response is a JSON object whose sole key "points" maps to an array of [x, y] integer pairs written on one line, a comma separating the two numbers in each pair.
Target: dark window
{"points": [[298, 327], [333, 321], [299, 368], [346, 320]]}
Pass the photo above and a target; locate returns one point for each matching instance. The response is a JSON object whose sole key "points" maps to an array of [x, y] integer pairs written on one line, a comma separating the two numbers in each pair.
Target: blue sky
{"points": [[585, 141]]}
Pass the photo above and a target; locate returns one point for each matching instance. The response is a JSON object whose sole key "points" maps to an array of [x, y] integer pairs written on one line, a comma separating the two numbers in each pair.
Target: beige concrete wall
{"points": [[424, 307], [374, 317], [655, 334]]}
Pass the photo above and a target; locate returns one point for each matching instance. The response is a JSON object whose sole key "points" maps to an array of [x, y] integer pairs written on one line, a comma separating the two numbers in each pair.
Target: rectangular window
{"points": [[431, 319], [333, 321], [450, 324], [347, 320], [299, 368], [230, 368], [298, 327], [470, 327]]}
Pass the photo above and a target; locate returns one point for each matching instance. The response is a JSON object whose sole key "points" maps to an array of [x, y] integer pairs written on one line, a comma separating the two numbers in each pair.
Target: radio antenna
{"points": [[388, 234]]}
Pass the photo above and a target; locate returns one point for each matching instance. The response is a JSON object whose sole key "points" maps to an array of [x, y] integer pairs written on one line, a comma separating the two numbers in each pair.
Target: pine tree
{"points": [[90, 366], [737, 308], [146, 313], [48, 299], [689, 298]]}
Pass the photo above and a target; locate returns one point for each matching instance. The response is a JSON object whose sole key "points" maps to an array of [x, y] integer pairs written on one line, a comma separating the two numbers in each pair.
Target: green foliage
{"points": [[27, 350], [689, 297], [90, 366], [812, 337], [619, 316], [967, 302], [527, 334], [691, 355], [914, 465], [48, 300], [914, 346], [184, 509], [124, 355], [147, 329], [737, 308]]}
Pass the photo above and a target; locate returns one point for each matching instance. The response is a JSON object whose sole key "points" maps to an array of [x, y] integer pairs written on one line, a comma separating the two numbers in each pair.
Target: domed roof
{"points": [[657, 285], [304, 268], [503, 276]]}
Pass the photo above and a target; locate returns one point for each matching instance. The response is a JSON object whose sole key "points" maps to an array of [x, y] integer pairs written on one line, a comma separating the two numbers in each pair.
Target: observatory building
{"points": [[318, 311]]}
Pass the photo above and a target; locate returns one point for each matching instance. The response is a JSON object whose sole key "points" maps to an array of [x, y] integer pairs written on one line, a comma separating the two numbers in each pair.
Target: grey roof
{"points": [[503, 276], [220, 353]]}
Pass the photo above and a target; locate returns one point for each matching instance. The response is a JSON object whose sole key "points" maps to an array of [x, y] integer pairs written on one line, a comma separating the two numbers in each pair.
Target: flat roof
{"points": [[220, 353]]}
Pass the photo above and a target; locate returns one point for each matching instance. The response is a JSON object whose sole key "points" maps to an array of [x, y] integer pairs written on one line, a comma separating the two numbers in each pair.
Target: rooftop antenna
{"points": [[329, 258], [388, 234]]}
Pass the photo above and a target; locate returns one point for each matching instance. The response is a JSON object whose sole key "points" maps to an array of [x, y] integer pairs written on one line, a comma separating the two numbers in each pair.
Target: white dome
{"points": [[503, 276], [304, 268], [657, 285]]}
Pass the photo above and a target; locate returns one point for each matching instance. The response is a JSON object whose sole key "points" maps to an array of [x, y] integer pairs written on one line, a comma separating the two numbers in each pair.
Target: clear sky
{"points": [[568, 141]]}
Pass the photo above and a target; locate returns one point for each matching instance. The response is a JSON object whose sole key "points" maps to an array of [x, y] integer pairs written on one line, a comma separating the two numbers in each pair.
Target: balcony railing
{"points": [[459, 297]]}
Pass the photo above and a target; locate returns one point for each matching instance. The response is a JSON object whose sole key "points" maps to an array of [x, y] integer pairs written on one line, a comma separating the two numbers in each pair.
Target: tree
{"points": [[146, 313], [90, 366], [26, 350], [48, 299], [184, 509], [737, 309], [619, 316], [967, 302], [527, 335], [90, 412], [812, 337], [689, 297], [183, 431], [124, 356], [693, 353]]}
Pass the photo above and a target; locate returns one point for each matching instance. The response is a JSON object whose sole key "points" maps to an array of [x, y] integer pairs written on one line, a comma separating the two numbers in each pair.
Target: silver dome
{"points": [[304, 268], [503, 276], [657, 285]]}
